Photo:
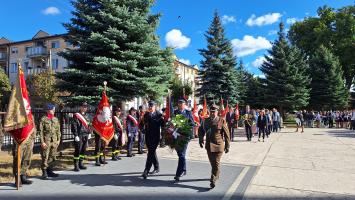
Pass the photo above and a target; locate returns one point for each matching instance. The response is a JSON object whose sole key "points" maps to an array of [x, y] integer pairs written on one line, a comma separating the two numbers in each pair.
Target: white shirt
{"points": [[353, 116]]}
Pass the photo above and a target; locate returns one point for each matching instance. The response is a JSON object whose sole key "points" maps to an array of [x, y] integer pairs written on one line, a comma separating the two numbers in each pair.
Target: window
{"points": [[14, 50], [55, 64], [27, 48], [13, 68], [55, 44]]}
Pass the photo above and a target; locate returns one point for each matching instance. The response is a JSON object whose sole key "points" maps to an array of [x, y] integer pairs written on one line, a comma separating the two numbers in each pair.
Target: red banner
{"points": [[102, 122], [195, 113], [19, 120]]}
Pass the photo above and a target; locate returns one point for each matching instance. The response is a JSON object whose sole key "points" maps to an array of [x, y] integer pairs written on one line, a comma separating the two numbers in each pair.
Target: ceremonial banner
{"points": [[204, 109], [102, 122], [222, 110], [237, 112], [195, 114], [169, 110], [19, 120]]}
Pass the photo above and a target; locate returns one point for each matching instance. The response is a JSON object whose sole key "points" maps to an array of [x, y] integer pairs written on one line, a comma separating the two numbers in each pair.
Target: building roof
{"points": [[39, 35], [4, 40], [194, 67]]}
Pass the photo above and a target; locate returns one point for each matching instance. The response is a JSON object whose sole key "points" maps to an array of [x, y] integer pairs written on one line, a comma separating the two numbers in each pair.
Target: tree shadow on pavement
{"points": [[128, 180]]}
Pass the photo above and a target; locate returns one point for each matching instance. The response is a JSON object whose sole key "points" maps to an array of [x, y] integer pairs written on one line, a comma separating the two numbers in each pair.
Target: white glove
{"points": [[76, 139], [115, 136], [89, 136]]}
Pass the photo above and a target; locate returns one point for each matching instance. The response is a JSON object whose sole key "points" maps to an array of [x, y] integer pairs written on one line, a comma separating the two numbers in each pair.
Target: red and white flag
{"points": [[102, 122], [195, 113], [19, 120]]}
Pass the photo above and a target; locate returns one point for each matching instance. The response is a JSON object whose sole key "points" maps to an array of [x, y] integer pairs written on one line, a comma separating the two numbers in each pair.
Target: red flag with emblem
{"points": [[204, 109], [19, 120], [195, 113], [102, 122], [236, 112]]}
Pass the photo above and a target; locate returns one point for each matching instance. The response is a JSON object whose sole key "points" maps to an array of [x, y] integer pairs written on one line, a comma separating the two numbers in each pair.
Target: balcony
{"points": [[3, 56], [36, 52]]}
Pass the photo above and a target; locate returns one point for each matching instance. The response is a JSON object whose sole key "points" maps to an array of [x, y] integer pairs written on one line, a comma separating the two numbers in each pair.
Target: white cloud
{"points": [[263, 20], [249, 45], [227, 19], [272, 32], [260, 76], [291, 20], [176, 39], [258, 61], [185, 61], [51, 11]]}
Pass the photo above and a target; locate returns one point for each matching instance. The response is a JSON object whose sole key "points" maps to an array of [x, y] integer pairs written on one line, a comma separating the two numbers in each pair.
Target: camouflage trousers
{"points": [[49, 155], [26, 155]]}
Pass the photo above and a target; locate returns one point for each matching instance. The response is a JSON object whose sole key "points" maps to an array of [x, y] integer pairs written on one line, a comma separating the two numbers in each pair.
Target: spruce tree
{"points": [[287, 82], [243, 77], [328, 90], [218, 75], [116, 42]]}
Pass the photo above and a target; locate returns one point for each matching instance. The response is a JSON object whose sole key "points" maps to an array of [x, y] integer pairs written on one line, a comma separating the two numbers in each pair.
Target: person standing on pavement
{"points": [[118, 126], [132, 130], [300, 121], [230, 118], [262, 123], [26, 156], [82, 133], [217, 141], [153, 122], [275, 119], [141, 133], [49, 131], [248, 122], [181, 168], [353, 119]]}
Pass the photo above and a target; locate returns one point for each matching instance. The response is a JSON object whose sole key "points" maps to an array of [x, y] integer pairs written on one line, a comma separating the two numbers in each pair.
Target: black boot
{"points": [[145, 174], [97, 161], [114, 157], [51, 173], [44, 174], [102, 161], [81, 164], [76, 165], [212, 185], [24, 180]]}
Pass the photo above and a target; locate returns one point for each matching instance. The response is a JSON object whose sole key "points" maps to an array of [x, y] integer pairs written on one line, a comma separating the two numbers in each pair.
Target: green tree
{"points": [[42, 88], [243, 77], [328, 89], [286, 71], [218, 75], [116, 42], [334, 29], [178, 88], [5, 87]]}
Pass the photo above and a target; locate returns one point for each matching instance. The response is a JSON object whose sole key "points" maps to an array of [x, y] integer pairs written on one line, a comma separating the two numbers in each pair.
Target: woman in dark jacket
{"points": [[262, 122]]}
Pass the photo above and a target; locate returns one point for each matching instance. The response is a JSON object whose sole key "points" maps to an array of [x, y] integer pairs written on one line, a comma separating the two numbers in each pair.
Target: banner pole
{"points": [[18, 166]]}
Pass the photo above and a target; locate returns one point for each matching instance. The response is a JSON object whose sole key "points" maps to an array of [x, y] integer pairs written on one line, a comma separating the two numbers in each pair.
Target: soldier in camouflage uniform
{"points": [[50, 136], [26, 155]]}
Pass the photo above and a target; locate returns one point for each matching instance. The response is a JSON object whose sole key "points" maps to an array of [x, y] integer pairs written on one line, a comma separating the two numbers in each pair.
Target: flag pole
{"points": [[18, 166], [105, 83]]}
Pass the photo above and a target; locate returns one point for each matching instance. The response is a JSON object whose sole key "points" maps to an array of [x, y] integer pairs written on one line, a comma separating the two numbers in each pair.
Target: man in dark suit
{"points": [[230, 118], [152, 123], [262, 122], [181, 169], [217, 140]]}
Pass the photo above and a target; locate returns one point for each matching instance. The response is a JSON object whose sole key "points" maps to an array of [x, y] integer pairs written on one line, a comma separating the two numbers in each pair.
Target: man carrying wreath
{"points": [[181, 152]]}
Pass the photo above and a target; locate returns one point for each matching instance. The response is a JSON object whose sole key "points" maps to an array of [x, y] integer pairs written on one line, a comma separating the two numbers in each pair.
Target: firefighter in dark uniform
{"points": [[115, 142], [217, 140], [152, 123], [82, 133]]}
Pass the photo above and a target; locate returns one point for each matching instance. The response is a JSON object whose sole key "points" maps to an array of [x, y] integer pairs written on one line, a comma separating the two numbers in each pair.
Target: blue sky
{"points": [[250, 24]]}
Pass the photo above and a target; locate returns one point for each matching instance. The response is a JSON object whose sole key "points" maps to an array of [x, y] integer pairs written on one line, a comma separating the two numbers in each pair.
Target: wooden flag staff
{"points": [[105, 145], [18, 166]]}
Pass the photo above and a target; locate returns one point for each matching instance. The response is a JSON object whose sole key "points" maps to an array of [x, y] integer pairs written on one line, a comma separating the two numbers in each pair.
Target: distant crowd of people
{"points": [[323, 119]]}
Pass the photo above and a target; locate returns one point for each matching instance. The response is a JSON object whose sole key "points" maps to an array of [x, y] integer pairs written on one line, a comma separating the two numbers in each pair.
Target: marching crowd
{"points": [[214, 130]]}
